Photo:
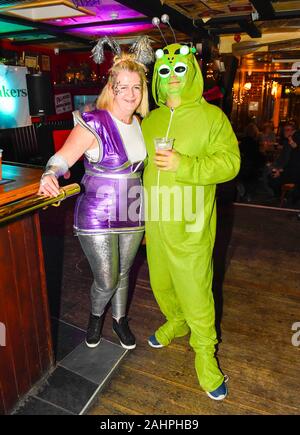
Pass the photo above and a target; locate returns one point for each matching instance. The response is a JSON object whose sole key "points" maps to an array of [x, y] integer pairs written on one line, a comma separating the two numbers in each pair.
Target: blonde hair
{"points": [[125, 62]]}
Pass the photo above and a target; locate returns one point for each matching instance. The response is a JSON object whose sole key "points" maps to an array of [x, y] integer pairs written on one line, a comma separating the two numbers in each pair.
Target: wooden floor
{"points": [[259, 304]]}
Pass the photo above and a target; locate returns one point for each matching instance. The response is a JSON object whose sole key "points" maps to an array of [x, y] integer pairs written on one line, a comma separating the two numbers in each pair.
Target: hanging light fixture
{"points": [[247, 86]]}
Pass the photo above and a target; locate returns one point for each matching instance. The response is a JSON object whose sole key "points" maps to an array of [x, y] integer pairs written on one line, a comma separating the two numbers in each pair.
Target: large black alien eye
{"points": [[164, 71], [180, 69]]}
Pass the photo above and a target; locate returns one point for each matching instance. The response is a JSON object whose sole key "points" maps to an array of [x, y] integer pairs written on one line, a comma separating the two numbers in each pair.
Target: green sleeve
{"points": [[221, 164]]}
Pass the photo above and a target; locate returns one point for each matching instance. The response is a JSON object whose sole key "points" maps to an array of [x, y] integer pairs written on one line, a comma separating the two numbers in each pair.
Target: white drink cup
{"points": [[163, 143]]}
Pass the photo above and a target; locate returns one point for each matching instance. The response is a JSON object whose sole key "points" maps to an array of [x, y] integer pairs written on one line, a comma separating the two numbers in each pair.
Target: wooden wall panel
{"points": [[9, 315], [23, 309], [2, 408], [22, 254], [39, 293]]}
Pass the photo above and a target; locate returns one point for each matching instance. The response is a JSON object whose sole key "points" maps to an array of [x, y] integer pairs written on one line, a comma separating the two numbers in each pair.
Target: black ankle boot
{"points": [[93, 333], [126, 337]]}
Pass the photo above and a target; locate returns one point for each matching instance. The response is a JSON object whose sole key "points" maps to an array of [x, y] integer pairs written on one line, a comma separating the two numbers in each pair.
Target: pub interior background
{"points": [[249, 54], [247, 61]]}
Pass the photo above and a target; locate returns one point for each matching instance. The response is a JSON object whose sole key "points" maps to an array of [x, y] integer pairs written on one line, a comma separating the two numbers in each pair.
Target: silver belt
{"points": [[113, 175]]}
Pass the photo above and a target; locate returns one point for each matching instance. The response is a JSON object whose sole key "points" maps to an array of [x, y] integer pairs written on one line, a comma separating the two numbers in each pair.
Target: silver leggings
{"points": [[111, 257]]}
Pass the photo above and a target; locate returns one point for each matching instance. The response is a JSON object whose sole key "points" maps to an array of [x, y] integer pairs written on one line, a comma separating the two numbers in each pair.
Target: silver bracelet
{"points": [[57, 166], [48, 172]]}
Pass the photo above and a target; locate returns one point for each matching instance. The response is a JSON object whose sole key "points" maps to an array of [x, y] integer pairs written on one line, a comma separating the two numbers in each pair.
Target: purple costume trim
{"points": [[105, 204]]}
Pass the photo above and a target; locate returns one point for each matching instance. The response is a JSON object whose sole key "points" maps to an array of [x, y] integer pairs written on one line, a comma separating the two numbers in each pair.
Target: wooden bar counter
{"points": [[25, 336]]}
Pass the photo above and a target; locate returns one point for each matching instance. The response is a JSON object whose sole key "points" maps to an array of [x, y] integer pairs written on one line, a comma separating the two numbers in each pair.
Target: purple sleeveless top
{"points": [[112, 195]]}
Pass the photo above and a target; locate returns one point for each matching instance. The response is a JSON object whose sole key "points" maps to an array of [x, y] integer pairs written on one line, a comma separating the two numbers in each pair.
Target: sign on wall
{"points": [[63, 103], [31, 61], [253, 106], [14, 106], [45, 63]]}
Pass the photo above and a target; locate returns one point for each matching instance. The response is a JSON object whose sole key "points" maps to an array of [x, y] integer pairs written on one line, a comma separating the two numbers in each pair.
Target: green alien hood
{"points": [[179, 62]]}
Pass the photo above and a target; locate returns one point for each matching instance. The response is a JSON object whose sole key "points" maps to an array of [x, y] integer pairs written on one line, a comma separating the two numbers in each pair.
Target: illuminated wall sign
{"points": [[63, 103], [253, 106], [14, 106]]}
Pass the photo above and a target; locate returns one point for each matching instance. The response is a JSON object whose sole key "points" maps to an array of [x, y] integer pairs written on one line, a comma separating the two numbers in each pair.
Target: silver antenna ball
{"points": [[165, 18], [155, 21]]}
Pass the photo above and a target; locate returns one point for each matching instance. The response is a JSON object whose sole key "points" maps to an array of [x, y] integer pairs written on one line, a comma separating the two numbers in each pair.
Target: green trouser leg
{"points": [[182, 286], [165, 295]]}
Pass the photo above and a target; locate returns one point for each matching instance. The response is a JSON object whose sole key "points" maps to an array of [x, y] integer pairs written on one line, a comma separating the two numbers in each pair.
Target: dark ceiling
{"points": [[125, 19]]}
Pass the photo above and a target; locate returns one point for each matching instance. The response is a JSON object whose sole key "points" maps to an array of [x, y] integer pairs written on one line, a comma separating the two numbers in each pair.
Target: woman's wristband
{"points": [[48, 172], [56, 166]]}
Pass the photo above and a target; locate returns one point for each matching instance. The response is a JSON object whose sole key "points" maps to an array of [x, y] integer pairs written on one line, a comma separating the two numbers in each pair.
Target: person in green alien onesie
{"points": [[180, 186]]}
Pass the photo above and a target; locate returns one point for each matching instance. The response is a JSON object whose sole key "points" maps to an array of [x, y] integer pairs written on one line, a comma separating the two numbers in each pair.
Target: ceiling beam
{"points": [[264, 8], [51, 41], [109, 23], [291, 44], [225, 31], [38, 41], [180, 22], [250, 28], [233, 19], [17, 33], [287, 14]]}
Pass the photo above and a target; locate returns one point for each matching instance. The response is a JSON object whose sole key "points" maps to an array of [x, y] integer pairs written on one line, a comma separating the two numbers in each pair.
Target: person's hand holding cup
{"points": [[166, 158]]}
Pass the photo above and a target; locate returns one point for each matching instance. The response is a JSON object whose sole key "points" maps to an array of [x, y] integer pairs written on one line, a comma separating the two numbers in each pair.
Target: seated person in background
{"points": [[252, 160], [267, 138], [286, 169]]}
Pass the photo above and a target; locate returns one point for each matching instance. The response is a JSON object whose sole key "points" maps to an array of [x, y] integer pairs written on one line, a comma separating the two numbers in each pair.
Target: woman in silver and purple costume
{"points": [[108, 213]]}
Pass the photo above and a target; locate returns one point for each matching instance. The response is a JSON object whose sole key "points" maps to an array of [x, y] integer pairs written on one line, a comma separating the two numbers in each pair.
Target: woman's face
{"points": [[127, 91]]}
